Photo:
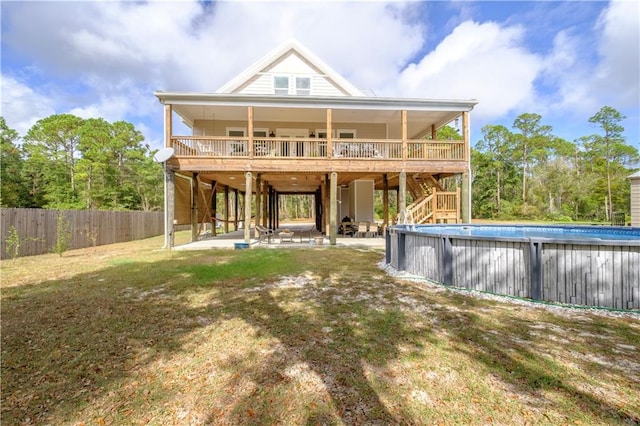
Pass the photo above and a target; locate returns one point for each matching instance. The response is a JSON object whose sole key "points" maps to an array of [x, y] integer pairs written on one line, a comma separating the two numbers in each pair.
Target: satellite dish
{"points": [[163, 155]]}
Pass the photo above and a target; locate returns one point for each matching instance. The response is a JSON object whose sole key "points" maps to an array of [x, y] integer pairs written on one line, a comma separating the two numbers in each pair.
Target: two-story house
{"points": [[290, 124]]}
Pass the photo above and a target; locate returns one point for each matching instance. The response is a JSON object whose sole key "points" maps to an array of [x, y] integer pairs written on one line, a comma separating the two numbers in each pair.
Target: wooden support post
{"points": [[236, 211], [458, 203], [318, 207], [247, 206], [325, 206], [329, 134], [265, 204], [277, 224], [385, 201], [398, 204], [434, 205], [465, 191], [168, 124], [226, 209], [466, 176], [170, 181], [402, 196], [333, 210], [434, 132], [194, 207], [403, 115], [250, 131], [258, 203], [272, 200], [214, 210]]}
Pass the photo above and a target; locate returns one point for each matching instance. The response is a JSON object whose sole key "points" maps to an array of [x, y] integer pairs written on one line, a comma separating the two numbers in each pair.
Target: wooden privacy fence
{"points": [[36, 229], [588, 273]]}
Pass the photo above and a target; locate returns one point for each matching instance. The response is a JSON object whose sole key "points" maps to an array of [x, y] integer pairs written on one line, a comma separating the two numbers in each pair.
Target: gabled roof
{"points": [[276, 54], [636, 175]]}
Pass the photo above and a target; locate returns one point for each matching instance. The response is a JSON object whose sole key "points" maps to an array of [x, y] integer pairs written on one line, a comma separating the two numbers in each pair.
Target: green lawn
{"points": [[129, 334]]}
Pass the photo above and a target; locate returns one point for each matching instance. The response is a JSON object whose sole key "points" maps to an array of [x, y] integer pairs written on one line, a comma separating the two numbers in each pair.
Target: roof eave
{"points": [[359, 102]]}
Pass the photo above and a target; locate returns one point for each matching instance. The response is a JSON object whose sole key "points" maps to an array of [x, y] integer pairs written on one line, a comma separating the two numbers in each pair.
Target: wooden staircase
{"points": [[432, 203]]}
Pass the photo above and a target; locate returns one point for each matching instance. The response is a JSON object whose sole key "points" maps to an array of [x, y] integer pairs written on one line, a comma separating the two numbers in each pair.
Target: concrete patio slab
{"points": [[230, 240]]}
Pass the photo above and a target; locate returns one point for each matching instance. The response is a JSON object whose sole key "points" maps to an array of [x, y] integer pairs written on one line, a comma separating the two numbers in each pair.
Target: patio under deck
{"points": [[229, 240]]}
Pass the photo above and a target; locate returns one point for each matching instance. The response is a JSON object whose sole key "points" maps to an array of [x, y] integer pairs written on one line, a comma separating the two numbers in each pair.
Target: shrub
{"points": [[63, 235]]}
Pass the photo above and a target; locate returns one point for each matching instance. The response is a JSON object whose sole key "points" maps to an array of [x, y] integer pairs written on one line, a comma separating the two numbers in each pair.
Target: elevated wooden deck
{"points": [[225, 154]]}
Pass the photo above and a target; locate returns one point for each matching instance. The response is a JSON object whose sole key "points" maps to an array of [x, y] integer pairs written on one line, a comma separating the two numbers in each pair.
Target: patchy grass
{"points": [[129, 334]]}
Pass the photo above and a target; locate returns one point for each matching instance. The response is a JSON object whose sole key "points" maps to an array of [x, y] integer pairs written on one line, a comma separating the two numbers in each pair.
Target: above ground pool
{"points": [[595, 266], [571, 233]]}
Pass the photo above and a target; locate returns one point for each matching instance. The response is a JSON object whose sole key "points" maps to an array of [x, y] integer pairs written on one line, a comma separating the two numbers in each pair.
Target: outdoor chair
{"points": [[362, 229], [264, 232], [286, 236], [307, 232], [373, 230]]}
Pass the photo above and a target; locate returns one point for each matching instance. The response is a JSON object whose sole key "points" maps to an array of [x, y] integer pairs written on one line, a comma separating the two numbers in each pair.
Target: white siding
{"points": [[260, 84], [321, 86], [290, 65], [635, 202]]}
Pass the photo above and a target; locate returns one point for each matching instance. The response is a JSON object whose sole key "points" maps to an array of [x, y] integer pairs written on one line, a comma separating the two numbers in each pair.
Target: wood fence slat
{"points": [[37, 228]]}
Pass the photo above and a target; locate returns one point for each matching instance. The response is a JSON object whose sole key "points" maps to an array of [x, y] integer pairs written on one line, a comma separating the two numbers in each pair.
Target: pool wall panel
{"points": [[586, 274], [492, 266]]}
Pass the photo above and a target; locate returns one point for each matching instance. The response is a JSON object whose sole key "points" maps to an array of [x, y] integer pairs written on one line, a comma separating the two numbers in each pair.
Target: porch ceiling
{"points": [[418, 122], [422, 113]]}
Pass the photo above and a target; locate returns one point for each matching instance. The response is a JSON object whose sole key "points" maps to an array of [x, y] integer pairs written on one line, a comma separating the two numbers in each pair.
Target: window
{"points": [[303, 86], [346, 134], [236, 131], [322, 133], [299, 85], [281, 85]]}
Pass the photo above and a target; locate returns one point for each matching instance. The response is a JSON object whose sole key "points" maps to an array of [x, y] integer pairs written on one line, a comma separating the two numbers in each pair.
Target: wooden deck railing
{"points": [[435, 207], [364, 149]]}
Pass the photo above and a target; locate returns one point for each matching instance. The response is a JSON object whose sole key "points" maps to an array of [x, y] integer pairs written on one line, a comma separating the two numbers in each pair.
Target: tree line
{"points": [[66, 162], [526, 172], [529, 173]]}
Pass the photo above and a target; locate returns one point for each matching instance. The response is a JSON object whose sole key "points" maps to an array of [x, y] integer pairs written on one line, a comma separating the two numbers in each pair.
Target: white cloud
{"points": [[116, 54], [23, 106], [567, 76], [482, 61], [618, 75]]}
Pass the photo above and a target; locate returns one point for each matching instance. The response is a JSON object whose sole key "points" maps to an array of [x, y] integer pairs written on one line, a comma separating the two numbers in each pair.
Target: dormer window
{"points": [[303, 86], [281, 85], [291, 85]]}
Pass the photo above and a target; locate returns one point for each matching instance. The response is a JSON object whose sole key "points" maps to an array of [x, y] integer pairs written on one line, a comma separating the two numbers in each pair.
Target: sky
{"points": [[561, 60]]}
